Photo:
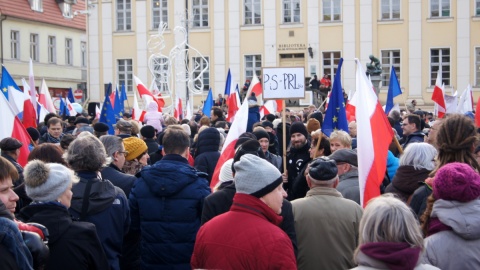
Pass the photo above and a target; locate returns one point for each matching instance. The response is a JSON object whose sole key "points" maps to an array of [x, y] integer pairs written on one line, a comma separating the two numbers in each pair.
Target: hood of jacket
{"points": [[407, 179], [102, 194], [462, 217], [208, 141], [169, 176], [152, 106]]}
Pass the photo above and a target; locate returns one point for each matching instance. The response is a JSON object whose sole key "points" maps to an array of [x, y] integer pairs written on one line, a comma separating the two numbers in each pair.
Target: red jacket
{"points": [[246, 237]]}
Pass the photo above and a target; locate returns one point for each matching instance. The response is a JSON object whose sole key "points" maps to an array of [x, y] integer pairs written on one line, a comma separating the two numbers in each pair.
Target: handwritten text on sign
{"points": [[283, 83]]}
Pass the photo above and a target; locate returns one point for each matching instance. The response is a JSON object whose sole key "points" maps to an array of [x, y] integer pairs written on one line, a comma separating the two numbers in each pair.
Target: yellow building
{"points": [[417, 37]]}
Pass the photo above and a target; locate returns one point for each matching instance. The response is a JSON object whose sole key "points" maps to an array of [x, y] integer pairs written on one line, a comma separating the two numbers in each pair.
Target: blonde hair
{"points": [[343, 137]]}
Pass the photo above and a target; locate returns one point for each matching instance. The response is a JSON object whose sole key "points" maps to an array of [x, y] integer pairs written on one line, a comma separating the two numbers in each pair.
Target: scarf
{"points": [[435, 226], [52, 139], [396, 256]]}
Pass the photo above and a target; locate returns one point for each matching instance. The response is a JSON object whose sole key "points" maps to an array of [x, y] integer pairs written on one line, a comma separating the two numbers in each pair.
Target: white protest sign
{"points": [[283, 82]]}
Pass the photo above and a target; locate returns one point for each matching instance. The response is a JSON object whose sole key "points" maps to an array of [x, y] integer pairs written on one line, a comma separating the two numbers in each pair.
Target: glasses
{"points": [[125, 153]]}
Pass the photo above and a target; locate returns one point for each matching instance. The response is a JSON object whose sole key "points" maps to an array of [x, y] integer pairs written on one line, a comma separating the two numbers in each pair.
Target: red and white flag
{"points": [[233, 103], [375, 134], [255, 87], [465, 103], [267, 108], [33, 97], [45, 98], [137, 113], [112, 97], [146, 95], [438, 96], [29, 112], [178, 113], [71, 110]]}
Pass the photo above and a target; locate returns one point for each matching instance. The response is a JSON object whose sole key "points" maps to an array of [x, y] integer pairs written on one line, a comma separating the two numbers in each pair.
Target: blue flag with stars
{"points": [[7, 81], [207, 106], [119, 107], [336, 116], [107, 115], [63, 109], [70, 96]]}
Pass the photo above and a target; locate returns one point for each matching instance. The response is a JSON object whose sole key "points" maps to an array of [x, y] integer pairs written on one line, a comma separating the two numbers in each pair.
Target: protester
{"points": [[264, 139], [325, 223], [123, 128], [54, 131], [207, 151], [72, 244], [149, 137], [255, 212], [35, 135], [66, 140], [178, 190], [253, 112], [340, 139], [215, 115], [137, 155], [412, 131], [451, 221], [97, 200], [297, 157], [10, 151], [431, 137], [225, 177], [347, 163], [100, 129], [389, 237], [153, 117]]}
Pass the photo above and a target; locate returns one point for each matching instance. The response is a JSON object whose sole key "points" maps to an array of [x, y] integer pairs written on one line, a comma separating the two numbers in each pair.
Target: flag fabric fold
{"points": [[107, 115], [29, 112], [465, 101], [336, 116], [118, 107], [33, 96], [233, 104], [7, 81], [207, 106], [228, 83], [70, 96], [146, 95], [393, 91], [438, 96], [45, 98], [255, 86]]}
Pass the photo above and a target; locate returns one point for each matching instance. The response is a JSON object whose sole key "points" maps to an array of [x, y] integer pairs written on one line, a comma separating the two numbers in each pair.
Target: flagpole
{"points": [[397, 143], [284, 125]]}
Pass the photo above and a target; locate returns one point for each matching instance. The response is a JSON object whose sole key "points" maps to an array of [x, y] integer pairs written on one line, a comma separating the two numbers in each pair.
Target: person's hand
{"points": [[285, 177]]}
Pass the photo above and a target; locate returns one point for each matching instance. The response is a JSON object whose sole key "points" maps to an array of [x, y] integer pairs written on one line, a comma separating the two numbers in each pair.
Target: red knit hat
{"points": [[456, 182]]}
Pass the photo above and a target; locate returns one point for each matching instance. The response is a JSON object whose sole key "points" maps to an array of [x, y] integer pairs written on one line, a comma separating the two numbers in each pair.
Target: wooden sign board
{"points": [[283, 82]]}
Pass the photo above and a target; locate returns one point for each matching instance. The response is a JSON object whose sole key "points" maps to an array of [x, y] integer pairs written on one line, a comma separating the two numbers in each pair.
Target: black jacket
{"points": [[207, 152], [419, 199], [118, 178], [73, 244], [152, 146], [19, 168], [413, 138], [220, 202], [297, 159]]}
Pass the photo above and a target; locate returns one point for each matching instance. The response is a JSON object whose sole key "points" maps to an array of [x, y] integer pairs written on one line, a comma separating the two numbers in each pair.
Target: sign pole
{"points": [[284, 125]]}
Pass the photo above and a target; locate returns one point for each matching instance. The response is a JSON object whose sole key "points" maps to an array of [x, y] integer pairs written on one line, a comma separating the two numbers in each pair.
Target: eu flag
{"points": [[107, 115], [7, 81], [393, 90], [228, 83], [70, 96], [336, 116], [123, 96], [63, 109], [207, 106], [119, 107]]}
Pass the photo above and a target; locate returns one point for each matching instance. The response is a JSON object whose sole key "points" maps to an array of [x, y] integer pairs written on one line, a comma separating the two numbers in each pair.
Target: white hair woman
{"points": [[416, 163], [389, 237]]}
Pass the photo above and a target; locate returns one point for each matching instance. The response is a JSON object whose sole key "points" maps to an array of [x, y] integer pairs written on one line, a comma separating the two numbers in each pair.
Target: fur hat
{"points": [[456, 182], [312, 125], [187, 129], [10, 144], [100, 127], [323, 169], [298, 127], [260, 134], [318, 116], [46, 182], [226, 173], [148, 131], [135, 147], [33, 132], [345, 156], [123, 125], [256, 176]]}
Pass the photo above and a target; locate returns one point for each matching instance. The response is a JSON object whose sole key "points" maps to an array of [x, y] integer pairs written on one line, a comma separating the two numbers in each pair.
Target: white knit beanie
{"points": [[226, 171], [256, 176]]}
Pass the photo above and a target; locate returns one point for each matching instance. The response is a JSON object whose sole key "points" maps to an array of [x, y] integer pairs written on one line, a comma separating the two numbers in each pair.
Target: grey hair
{"points": [[86, 153], [419, 155], [112, 144], [387, 219], [343, 137]]}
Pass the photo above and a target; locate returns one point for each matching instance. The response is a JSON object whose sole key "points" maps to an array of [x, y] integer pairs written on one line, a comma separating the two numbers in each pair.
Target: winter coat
{"points": [[300, 186], [392, 165], [153, 117], [246, 237], [418, 202], [367, 263], [279, 133], [118, 178], [207, 152], [274, 159], [326, 224], [348, 185], [17, 166], [296, 160], [457, 248], [406, 181], [221, 201], [253, 117], [73, 244], [107, 209], [152, 145], [413, 138], [166, 203]]}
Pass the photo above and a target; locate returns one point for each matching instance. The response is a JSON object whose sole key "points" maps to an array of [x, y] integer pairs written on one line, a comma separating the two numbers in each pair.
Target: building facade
{"points": [[418, 38]]}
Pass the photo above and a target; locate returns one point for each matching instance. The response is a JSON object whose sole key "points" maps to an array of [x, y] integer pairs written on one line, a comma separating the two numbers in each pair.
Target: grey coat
{"points": [[458, 248], [348, 185]]}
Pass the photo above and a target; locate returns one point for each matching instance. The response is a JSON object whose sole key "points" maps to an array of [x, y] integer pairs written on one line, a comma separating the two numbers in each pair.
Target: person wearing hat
{"points": [[253, 112], [35, 135], [451, 221], [10, 151], [297, 157], [325, 222], [347, 164], [71, 243], [137, 155], [70, 125], [100, 129], [149, 137], [264, 139], [248, 235], [153, 117], [123, 129]]}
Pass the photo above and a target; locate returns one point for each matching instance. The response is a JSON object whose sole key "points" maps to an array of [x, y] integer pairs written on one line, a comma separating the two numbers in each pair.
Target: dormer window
{"points": [[66, 7], [36, 5]]}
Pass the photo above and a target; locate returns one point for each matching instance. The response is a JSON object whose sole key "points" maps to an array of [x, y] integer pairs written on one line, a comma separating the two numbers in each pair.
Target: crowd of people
{"points": [[141, 198]]}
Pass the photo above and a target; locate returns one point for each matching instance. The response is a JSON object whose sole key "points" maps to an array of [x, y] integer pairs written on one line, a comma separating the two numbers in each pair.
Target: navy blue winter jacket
{"points": [[166, 203], [207, 154]]}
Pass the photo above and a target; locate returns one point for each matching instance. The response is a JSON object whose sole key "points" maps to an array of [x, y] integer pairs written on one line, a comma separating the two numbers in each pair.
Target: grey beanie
{"points": [[46, 182], [256, 176]]}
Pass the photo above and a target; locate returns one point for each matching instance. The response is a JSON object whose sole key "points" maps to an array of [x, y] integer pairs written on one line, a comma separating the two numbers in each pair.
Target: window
{"points": [[390, 9], [125, 73], [200, 13], [160, 9], [331, 10], [440, 62], [52, 50], [477, 7], [291, 11], [439, 8], [68, 51], [160, 71], [477, 67], [83, 47], [34, 47], [253, 12], [15, 45], [330, 63], [124, 15], [66, 9], [36, 5], [389, 59], [253, 65], [199, 64]]}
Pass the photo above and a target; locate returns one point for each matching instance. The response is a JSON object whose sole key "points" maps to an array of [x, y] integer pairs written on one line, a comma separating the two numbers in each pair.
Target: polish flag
{"points": [[10, 126], [239, 126], [178, 113], [33, 99], [279, 105], [146, 95], [255, 87], [98, 111], [233, 103], [327, 100], [29, 112], [267, 108], [477, 113], [375, 133], [465, 102], [188, 113], [438, 96], [349, 107], [137, 113], [45, 98]]}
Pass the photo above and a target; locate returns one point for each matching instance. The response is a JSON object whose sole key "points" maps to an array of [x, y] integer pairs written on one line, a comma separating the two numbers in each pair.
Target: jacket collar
{"points": [[175, 157], [316, 191], [250, 204]]}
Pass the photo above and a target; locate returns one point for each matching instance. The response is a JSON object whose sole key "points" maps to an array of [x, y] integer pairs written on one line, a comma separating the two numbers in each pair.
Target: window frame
{"points": [[34, 47], [127, 64], [36, 5], [253, 7], [391, 13], [254, 68], [292, 11], [205, 78], [441, 64], [333, 66], [477, 66], [52, 50], [440, 9], [15, 44], [157, 12], [123, 15], [83, 49], [68, 51], [387, 67], [200, 7], [477, 8], [332, 14]]}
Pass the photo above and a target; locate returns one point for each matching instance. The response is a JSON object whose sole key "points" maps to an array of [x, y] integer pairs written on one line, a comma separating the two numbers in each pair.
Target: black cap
{"points": [[81, 120], [298, 127], [33, 132], [323, 169], [147, 131], [267, 124], [261, 133], [101, 127], [10, 144]]}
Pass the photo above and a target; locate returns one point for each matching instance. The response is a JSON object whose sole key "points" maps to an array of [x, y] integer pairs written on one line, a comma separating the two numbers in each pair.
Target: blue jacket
{"points": [[253, 117], [166, 203], [207, 153]]}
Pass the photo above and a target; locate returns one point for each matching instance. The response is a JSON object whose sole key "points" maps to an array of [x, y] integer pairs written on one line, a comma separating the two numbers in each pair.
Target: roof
{"points": [[51, 13]]}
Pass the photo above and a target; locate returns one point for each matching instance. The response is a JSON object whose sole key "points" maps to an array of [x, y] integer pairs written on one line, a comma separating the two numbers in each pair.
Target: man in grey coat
{"points": [[347, 164]]}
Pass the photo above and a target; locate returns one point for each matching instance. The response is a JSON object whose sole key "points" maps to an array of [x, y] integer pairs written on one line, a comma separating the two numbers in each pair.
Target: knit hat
{"points": [[270, 117], [135, 147], [10, 144], [256, 176], [226, 173], [456, 182], [251, 146], [260, 134], [267, 124], [100, 127], [298, 127], [187, 129], [252, 100], [123, 125], [323, 169], [244, 137], [148, 131], [81, 120], [312, 125], [33, 132], [46, 182], [345, 156]]}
